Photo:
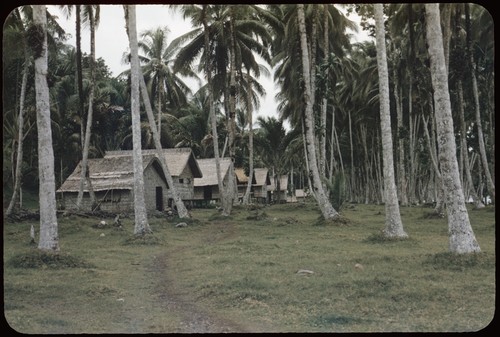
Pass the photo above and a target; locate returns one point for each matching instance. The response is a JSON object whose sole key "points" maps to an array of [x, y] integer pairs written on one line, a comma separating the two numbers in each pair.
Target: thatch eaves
{"points": [[177, 159], [208, 168], [241, 177], [109, 173], [283, 183], [261, 177]]}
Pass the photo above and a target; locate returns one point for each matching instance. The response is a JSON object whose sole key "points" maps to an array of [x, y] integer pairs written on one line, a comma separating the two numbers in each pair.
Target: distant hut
{"points": [[206, 188], [183, 168], [280, 195], [261, 191], [300, 195], [242, 182], [112, 180]]}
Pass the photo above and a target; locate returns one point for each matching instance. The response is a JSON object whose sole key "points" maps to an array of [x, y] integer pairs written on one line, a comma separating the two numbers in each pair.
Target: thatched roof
{"points": [[108, 173], [176, 158], [241, 177], [209, 171], [261, 176], [283, 183]]}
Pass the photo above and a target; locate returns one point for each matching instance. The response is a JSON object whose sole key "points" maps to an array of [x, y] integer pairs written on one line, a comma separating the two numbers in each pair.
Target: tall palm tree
{"points": [[141, 221], [461, 235], [49, 239], [157, 58], [228, 45], [393, 223], [324, 203], [93, 16]]}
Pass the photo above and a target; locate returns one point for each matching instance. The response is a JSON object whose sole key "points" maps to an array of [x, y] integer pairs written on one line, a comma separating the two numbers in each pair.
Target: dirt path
{"points": [[194, 318]]}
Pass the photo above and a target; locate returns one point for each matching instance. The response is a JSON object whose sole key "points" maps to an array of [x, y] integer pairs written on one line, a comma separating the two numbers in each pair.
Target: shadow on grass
{"points": [[142, 240], [41, 259]]}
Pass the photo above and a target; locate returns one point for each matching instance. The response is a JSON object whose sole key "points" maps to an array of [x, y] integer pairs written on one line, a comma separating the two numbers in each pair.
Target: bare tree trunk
{"points": [[49, 238], [141, 221], [20, 138], [86, 145], [231, 126], [325, 206], [393, 223], [461, 235], [213, 119], [401, 171], [246, 197], [439, 208], [179, 204], [465, 152]]}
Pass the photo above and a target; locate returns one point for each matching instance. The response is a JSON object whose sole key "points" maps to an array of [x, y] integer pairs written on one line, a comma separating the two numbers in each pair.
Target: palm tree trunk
{"points": [[231, 127], [49, 239], [465, 152], [179, 204], [79, 71], [213, 119], [141, 226], [20, 136], [401, 172], [461, 235], [246, 197], [393, 223], [86, 145], [324, 203]]}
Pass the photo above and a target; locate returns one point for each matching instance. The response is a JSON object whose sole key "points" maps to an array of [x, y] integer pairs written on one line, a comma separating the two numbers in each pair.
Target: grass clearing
{"points": [[245, 269]]}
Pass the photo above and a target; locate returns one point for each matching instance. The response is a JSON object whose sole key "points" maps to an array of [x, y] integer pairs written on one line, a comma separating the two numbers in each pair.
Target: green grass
{"points": [[244, 268]]}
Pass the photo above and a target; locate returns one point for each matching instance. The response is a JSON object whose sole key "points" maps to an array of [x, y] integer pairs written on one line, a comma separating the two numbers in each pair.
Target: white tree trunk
{"points": [[212, 117], [324, 203], [49, 239], [393, 223], [85, 176], [246, 197], [461, 236], [181, 208], [141, 221]]}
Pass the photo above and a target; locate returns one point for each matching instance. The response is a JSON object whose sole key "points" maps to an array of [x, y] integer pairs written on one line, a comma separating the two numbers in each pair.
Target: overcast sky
{"points": [[112, 41]]}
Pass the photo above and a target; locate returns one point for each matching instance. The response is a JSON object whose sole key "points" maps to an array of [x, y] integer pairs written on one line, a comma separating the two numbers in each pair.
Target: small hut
{"points": [[242, 182], [112, 180], [261, 191], [206, 188], [181, 164]]}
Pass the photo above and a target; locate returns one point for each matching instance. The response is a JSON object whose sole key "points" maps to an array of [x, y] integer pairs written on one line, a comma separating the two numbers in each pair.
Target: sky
{"points": [[112, 41]]}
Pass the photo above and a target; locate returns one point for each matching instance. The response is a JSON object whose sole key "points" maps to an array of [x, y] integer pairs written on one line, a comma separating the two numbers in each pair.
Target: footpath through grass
{"points": [[276, 269]]}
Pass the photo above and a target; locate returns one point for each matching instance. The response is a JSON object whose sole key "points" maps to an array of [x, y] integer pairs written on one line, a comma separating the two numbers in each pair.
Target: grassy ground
{"points": [[240, 274]]}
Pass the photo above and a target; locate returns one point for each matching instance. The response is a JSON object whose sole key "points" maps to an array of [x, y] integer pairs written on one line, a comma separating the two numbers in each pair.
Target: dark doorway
{"points": [[207, 193], [159, 198]]}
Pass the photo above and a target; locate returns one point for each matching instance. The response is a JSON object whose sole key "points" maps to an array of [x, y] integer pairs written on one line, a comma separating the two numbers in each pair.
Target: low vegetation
{"points": [[281, 272]]}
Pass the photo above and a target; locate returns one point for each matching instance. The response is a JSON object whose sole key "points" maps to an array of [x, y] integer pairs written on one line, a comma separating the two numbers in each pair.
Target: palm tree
{"points": [[141, 222], [158, 57], [461, 235], [93, 19], [324, 203], [49, 239], [393, 223]]}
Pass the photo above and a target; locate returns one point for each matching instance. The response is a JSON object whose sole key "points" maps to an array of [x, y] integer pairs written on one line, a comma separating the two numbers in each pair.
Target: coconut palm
{"points": [[141, 221], [461, 235], [393, 223], [49, 239]]}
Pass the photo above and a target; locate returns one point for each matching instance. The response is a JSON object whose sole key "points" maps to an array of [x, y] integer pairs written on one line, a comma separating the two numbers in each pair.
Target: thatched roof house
{"points": [[181, 164], [112, 180], [261, 186], [207, 187]]}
